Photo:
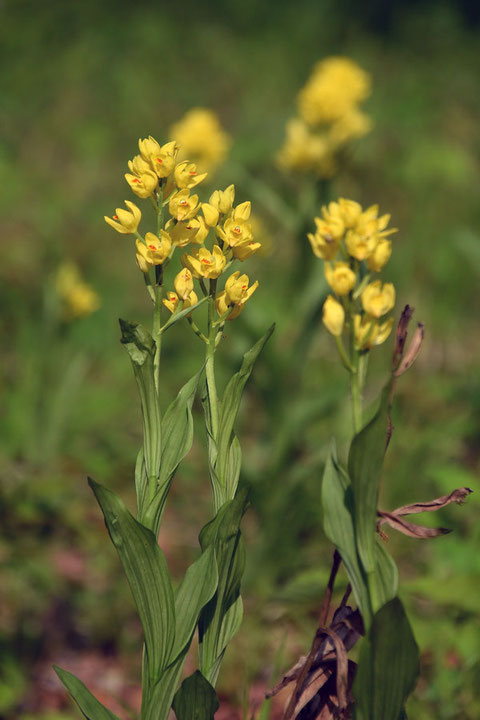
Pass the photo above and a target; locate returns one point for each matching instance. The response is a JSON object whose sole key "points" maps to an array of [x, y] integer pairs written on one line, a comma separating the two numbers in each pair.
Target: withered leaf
{"points": [[396, 521]]}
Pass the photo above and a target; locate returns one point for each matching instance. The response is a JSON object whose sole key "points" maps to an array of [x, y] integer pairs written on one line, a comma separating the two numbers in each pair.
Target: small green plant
{"points": [[327, 683], [208, 598]]}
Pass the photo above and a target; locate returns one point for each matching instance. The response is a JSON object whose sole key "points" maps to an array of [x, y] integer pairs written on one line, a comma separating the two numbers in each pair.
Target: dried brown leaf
{"points": [[413, 349], [401, 336], [395, 517], [408, 528], [458, 496]]}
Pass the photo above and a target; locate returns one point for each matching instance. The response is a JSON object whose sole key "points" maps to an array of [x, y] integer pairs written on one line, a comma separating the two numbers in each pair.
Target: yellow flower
{"points": [[243, 250], [172, 300], [154, 251], [333, 315], [341, 277], [353, 124], [203, 263], [335, 86], [182, 205], [350, 211], [201, 138], [235, 232], [210, 213], [183, 283], [378, 300], [222, 200], [194, 231], [125, 221], [326, 240], [186, 175], [160, 157], [380, 256], [78, 297], [242, 211], [360, 246], [239, 287], [236, 286], [369, 332], [333, 217], [304, 151], [142, 185]]}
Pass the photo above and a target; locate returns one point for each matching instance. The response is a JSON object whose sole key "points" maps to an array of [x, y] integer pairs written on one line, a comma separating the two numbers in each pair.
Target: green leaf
{"points": [[162, 693], [388, 667], [365, 462], [337, 500], [147, 575], [386, 575], [88, 703], [173, 319], [141, 348], [196, 589], [177, 437], [141, 483], [229, 410], [196, 699], [220, 618]]}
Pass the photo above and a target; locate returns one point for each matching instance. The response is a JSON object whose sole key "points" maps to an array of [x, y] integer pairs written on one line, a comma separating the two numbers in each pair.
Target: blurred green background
{"points": [[80, 83]]}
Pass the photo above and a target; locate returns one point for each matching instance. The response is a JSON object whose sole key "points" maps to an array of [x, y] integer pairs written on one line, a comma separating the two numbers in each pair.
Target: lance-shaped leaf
{"points": [[159, 700], [229, 410], [337, 501], [88, 703], [196, 699], [365, 462], [177, 437], [388, 667], [147, 575], [141, 348], [196, 589], [221, 617]]}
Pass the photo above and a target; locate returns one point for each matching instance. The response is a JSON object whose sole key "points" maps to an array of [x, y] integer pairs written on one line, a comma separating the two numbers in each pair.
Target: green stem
{"points": [[356, 400], [210, 361], [157, 334]]}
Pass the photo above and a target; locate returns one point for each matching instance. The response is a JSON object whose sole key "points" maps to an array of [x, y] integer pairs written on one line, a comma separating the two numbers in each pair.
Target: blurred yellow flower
{"points": [[369, 332], [304, 151], [78, 298], [203, 263], [326, 240], [333, 316], [125, 221], [340, 277], [201, 138], [380, 256], [378, 300], [335, 87]]}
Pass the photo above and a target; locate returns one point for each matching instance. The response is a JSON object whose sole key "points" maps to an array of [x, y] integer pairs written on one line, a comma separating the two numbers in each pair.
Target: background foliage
{"points": [[80, 83]]}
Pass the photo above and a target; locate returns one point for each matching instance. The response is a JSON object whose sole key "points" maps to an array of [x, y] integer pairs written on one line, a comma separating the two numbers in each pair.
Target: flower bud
{"points": [[126, 221], [222, 200], [340, 277], [183, 283], [380, 256], [378, 300], [333, 316]]}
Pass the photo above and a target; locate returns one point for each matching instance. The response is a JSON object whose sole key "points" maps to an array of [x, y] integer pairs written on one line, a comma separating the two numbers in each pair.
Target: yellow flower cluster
{"points": [[77, 296], [329, 117], [360, 239], [156, 174], [201, 138]]}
